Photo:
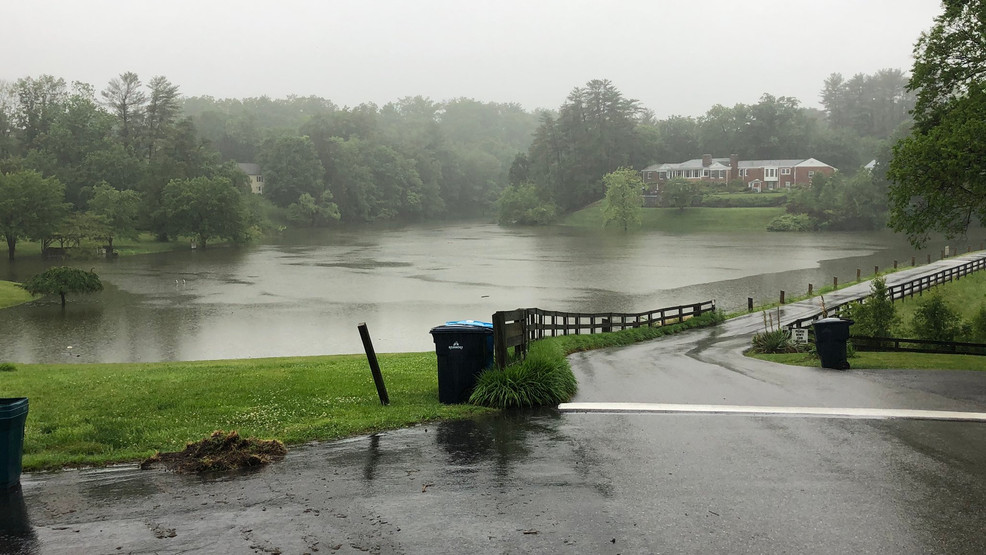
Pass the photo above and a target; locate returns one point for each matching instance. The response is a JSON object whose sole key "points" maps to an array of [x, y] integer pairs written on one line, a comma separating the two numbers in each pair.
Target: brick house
{"points": [[759, 175]]}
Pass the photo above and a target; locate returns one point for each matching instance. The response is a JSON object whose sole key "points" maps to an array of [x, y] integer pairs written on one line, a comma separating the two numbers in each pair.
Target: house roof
{"points": [[249, 168], [723, 163]]}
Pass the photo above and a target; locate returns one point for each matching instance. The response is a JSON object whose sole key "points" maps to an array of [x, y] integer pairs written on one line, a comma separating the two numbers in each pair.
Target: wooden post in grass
{"points": [[782, 296], [835, 282], [809, 289], [895, 264], [876, 270], [858, 274], [371, 356], [749, 304], [929, 259], [912, 261]]}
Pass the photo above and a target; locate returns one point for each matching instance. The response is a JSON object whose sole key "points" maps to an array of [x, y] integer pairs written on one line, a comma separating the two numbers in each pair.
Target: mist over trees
{"points": [[409, 160]]}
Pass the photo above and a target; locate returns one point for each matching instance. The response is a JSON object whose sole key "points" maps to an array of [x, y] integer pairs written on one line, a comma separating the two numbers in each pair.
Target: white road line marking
{"points": [[774, 411]]}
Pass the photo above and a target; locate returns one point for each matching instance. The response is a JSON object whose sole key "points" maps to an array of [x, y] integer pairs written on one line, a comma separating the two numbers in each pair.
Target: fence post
{"points": [[895, 264], [859, 274], [929, 259], [499, 340], [782, 296], [809, 289], [749, 304], [835, 281], [876, 270], [371, 356], [912, 261]]}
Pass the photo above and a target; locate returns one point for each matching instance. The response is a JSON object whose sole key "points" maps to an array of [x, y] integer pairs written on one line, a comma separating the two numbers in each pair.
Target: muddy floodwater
{"points": [[305, 292]]}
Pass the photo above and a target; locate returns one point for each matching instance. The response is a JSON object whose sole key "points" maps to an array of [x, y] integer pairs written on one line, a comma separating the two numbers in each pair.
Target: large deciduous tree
{"points": [[291, 167], [938, 173], [623, 198], [206, 208], [31, 206], [62, 280]]}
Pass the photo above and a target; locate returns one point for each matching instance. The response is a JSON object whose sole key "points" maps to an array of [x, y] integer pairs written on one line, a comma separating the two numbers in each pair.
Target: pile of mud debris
{"points": [[218, 452]]}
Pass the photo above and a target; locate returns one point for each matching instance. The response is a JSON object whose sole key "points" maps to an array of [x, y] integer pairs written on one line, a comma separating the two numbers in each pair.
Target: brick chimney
{"points": [[734, 166], [706, 160]]}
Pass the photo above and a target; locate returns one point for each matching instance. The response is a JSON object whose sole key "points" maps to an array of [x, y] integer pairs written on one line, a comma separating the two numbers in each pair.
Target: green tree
{"points": [[312, 212], [117, 210], [623, 198], [875, 316], [680, 193], [939, 173], [521, 204], [31, 206], [126, 99], [291, 167], [935, 320], [62, 280], [206, 208]]}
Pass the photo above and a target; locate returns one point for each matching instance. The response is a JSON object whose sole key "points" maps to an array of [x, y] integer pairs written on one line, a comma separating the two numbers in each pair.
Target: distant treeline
{"points": [[407, 160]]}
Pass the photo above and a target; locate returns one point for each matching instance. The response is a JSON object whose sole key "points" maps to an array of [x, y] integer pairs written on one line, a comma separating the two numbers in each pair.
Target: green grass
{"points": [[11, 294], [143, 244], [965, 295], [689, 220], [97, 414], [888, 360]]}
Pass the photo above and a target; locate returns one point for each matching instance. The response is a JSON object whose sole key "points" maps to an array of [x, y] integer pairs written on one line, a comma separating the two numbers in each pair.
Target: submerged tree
{"points": [[62, 280], [623, 198]]}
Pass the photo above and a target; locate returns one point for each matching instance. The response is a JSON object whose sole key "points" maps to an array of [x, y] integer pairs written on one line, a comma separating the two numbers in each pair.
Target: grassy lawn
{"points": [[95, 414], [11, 294], [874, 360], [689, 220], [966, 296]]}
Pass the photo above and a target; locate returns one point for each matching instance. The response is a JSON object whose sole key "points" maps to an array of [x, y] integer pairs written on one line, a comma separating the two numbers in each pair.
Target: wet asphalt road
{"points": [[563, 482]]}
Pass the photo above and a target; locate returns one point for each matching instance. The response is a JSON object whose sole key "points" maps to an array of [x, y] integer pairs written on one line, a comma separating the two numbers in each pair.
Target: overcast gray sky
{"points": [[675, 56]]}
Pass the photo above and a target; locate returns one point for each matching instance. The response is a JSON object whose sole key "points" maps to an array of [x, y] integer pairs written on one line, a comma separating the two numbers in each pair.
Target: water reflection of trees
{"points": [[502, 440]]}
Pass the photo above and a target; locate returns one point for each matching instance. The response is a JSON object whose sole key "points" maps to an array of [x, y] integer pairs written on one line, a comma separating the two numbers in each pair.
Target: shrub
{"points": [[773, 341], [977, 328], [935, 320], [875, 316], [543, 378], [792, 222], [7, 367]]}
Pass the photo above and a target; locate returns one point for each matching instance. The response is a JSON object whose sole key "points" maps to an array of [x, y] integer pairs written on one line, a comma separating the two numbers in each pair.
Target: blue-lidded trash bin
{"points": [[831, 336], [464, 349], [13, 416]]}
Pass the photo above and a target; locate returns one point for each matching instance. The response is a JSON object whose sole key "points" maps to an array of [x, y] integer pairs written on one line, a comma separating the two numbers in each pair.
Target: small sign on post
{"points": [[800, 336]]}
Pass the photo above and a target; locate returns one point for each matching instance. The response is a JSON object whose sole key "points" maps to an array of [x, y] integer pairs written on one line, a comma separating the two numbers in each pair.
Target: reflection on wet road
{"points": [[548, 482]]}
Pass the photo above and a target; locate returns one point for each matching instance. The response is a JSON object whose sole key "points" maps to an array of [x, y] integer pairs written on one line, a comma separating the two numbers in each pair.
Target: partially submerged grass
{"points": [[12, 294], [689, 220], [96, 414]]}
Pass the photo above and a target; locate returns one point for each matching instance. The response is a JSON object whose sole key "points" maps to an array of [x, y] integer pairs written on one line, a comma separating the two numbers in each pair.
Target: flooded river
{"points": [[304, 293]]}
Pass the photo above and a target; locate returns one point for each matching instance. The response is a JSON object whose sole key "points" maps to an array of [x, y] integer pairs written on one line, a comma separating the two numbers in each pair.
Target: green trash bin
{"points": [[13, 415]]}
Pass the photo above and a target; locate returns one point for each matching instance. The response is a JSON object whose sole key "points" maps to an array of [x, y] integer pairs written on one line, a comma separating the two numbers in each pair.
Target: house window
{"points": [[770, 172], [260, 179], [662, 175], [705, 173], [743, 172], [785, 171], [787, 184], [811, 173]]}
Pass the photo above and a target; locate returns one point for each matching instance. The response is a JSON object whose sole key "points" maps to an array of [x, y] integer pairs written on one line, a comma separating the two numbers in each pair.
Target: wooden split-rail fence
{"points": [[517, 328], [907, 289]]}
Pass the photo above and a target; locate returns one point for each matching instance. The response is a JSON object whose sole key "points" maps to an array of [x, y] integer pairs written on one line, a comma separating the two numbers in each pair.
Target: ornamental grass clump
{"points": [[543, 378], [773, 339]]}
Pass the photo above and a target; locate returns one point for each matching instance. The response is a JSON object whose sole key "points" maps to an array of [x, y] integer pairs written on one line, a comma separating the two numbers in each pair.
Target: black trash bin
{"points": [[831, 335], [13, 415], [464, 350]]}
